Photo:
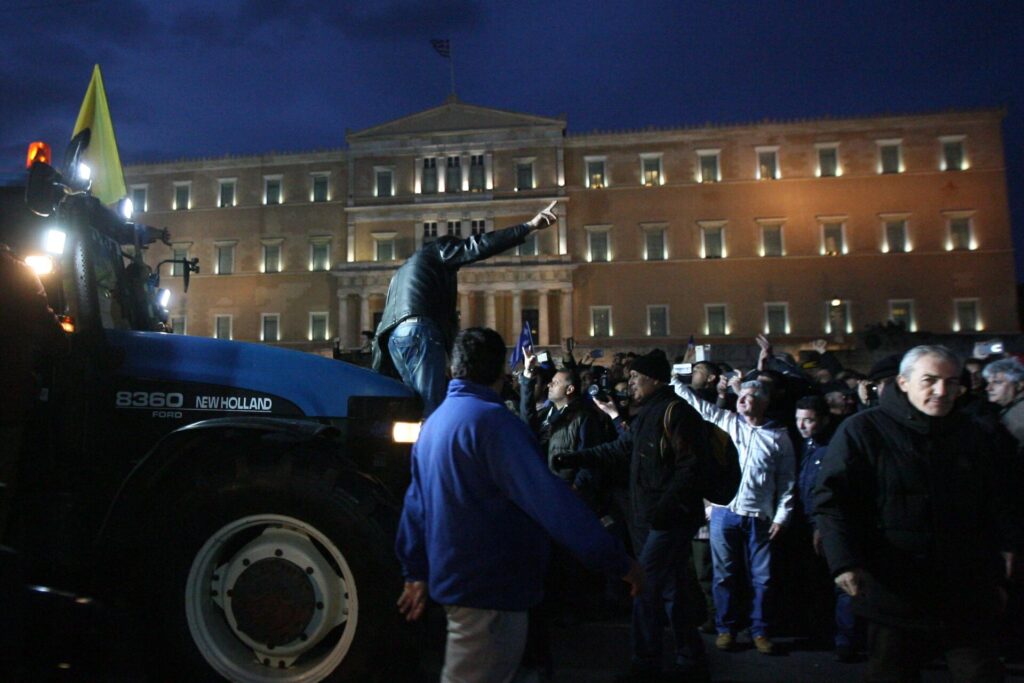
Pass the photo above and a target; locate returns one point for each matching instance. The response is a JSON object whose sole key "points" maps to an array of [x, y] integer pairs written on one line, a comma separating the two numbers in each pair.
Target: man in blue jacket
{"points": [[478, 517]]}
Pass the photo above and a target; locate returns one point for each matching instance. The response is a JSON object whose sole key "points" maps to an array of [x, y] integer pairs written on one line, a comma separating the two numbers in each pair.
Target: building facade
{"points": [[801, 230]]}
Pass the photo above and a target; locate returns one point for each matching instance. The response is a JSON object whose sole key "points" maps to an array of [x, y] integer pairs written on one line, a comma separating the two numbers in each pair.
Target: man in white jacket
{"points": [[742, 531]]}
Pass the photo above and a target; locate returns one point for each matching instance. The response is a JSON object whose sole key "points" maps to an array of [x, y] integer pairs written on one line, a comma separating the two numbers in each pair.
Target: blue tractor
{"points": [[241, 498]]}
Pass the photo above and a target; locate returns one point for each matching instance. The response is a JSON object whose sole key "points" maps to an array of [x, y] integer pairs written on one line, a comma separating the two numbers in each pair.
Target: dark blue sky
{"points": [[192, 78]]}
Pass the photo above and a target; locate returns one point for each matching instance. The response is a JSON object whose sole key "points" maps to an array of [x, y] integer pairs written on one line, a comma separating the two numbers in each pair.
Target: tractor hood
{"points": [[318, 386]]}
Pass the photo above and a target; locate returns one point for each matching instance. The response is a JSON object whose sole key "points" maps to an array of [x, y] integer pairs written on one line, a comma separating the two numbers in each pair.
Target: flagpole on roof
{"points": [[451, 67]]}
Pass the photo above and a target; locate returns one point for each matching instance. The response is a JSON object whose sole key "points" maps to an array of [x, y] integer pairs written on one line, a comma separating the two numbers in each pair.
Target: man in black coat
{"points": [[420, 320], [914, 527], [661, 446]]}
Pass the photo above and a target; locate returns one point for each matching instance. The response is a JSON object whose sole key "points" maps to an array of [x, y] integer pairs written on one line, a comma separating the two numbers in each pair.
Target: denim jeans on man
{"points": [[663, 556], [417, 350], [740, 546]]}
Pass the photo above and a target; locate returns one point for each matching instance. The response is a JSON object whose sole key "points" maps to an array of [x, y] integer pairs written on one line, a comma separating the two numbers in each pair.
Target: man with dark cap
{"points": [[661, 448], [882, 374], [420, 320]]}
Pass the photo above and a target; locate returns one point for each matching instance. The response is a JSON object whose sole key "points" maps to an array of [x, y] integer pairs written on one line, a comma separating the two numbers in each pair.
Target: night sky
{"points": [[191, 78]]}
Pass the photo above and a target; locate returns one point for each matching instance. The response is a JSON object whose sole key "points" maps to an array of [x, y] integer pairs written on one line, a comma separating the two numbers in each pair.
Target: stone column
{"points": [[517, 314], [563, 234], [566, 321], [350, 243], [365, 321], [464, 319], [491, 319], [344, 338], [544, 334]]}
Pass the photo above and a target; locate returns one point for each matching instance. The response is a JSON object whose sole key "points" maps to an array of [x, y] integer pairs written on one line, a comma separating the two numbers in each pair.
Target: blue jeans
{"points": [[845, 622], [417, 350], [663, 556], [740, 546]]}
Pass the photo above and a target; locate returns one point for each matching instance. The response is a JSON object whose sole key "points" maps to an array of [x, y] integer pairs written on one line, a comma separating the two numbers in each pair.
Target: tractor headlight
{"points": [[40, 263], [405, 432], [84, 172], [164, 297], [53, 241]]}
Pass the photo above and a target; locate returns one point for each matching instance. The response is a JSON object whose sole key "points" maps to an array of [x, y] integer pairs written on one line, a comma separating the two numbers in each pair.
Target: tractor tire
{"points": [[273, 562]]}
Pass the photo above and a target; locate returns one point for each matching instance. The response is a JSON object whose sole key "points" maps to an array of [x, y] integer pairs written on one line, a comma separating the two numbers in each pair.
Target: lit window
{"points": [[226, 193], [182, 196], [178, 254], [524, 175], [477, 173], [889, 156], [529, 246], [901, 312], [321, 190], [384, 185], [654, 244], [657, 321], [428, 179], [455, 228], [384, 246], [715, 320], [272, 257], [179, 324], [828, 160], [767, 163], [320, 255], [712, 241], [710, 171], [318, 326], [837, 317], [595, 168], [598, 243], [833, 239], [776, 318], [476, 227], [453, 175], [429, 231], [961, 234], [272, 189], [222, 327], [650, 170], [896, 236], [953, 158], [771, 240], [269, 327], [139, 198], [600, 321], [225, 259], [967, 319]]}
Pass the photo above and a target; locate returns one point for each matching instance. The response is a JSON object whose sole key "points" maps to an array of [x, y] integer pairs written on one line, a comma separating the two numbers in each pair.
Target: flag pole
{"points": [[451, 66]]}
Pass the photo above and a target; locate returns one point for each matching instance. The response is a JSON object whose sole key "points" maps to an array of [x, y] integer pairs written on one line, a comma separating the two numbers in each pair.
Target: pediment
{"points": [[454, 116]]}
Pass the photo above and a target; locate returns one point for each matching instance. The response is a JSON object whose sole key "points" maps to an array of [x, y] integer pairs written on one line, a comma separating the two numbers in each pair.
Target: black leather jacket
{"points": [[426, 285]]}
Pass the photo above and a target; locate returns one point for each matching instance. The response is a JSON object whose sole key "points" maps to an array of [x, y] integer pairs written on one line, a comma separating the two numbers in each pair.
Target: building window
{"points": [[776, 318], [953, 158], [269, 327], [961, 233], [650, 170], [454, 228], [453, 175], [600, 321], [837, 317], [476, 227], [428, 179], [895, 236], [182, 196], [715, 320], [222, 327], [272, 257], [657, 321], [477, 173], [272, 189], [901, 312], [598, 244], [712, 241], [178, 254], [320, 191], [967, 318], [524, 175], [529, 246], [828, 160], [889, 156], [595, 167], [384, 246], [383, 184], [710, 171], [226, 193], [429, 231], [139, 198], [771, 240], [320, 255], [179, 324], [225, 259], [833, 241], [654, 244], [767, 163], [318, 326]]}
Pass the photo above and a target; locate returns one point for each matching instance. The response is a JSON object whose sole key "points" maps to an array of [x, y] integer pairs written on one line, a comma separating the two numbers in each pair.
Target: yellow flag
{"points": [[101, 153]]}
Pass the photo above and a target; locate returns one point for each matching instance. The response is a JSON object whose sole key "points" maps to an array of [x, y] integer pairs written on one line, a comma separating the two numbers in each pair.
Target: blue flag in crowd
{"points": [[525, 339]]}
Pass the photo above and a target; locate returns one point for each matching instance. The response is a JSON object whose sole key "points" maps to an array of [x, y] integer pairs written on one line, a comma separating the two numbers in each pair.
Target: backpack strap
{"points": [[667, 419]]}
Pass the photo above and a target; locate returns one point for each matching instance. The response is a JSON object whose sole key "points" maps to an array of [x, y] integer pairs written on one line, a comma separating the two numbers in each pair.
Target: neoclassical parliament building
{"points": [[801, 230]]}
